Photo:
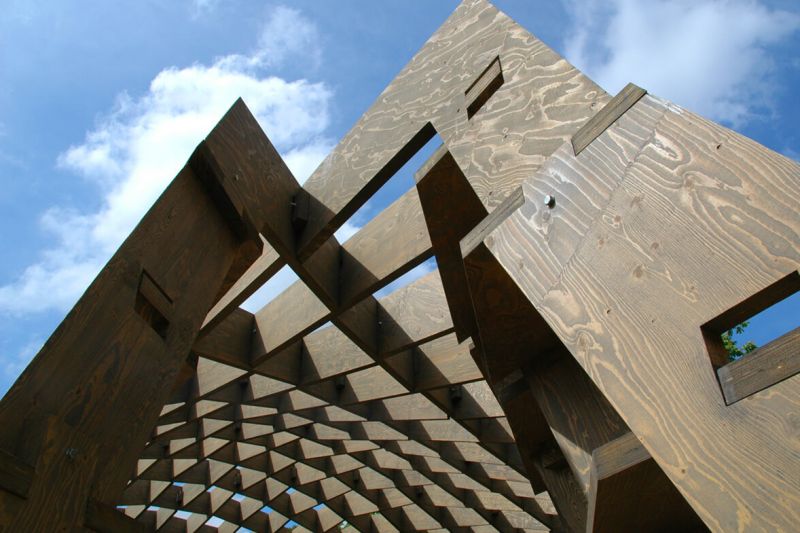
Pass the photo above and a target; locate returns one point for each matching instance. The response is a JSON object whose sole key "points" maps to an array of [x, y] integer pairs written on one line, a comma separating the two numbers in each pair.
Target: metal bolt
{"points": [[71, 453], [550, 201]]}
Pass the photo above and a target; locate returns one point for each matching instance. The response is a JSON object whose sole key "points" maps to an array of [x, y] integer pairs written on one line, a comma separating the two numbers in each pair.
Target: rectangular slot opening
{"points": [[153, 305], [484, 87], [756, 344]]}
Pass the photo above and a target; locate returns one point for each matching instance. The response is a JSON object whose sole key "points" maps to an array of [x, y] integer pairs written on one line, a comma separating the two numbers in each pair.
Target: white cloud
{"points": [[13, 366], [135, 151], [286, 34], [709, 56]]}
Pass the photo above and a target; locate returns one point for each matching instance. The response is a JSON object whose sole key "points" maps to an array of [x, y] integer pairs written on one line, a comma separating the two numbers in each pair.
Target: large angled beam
{"points": [[661, 224], [100, 381]]}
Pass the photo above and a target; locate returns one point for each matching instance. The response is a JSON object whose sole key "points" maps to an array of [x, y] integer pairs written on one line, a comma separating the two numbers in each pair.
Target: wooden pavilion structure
{"points": [[561, 369]]}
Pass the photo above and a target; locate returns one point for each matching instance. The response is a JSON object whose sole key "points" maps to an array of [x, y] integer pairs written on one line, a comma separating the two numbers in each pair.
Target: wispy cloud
{"points": [[139, 146], [286, 34], [710, 56], [13, 366], [203, 7]]}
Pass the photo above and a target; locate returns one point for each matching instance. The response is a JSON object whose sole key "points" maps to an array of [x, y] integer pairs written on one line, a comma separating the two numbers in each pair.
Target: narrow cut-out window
{"points": [[484, 87], [153, 305], [756, 344]]}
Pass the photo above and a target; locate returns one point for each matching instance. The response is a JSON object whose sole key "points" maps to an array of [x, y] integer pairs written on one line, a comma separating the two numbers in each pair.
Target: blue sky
{"points": [[102, 102]]}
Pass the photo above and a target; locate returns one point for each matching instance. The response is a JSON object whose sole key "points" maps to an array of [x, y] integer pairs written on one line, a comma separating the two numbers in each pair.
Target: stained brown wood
{"points": [[447, 225], [630, 493], [482, 89], [566, 346], [262, 269], [128, 362], [106, 519], [643, 255], [15, 475], [762, 368], [453, 59]]}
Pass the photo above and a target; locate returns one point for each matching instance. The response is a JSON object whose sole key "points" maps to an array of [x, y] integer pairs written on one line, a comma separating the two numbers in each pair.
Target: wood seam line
{"points": [[613, 110]]}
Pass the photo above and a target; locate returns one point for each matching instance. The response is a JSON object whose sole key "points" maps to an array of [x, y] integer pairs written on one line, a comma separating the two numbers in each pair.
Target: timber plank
{"points": [[15, 475], [128, 363], [615, 108], [761, 368], [639, 284], [630, 493]]}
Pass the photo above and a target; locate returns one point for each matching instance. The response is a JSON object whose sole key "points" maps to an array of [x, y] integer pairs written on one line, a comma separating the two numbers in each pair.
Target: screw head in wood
{"points": [[71, 453], [550, 201]]}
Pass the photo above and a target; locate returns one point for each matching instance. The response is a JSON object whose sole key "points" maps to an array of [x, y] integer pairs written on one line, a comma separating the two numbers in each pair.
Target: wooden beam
{"points": [[15, 475], [610, 113], [762, 368], [106, 519], [609, 268], [475, 37], [629, 492], [131, 331]]}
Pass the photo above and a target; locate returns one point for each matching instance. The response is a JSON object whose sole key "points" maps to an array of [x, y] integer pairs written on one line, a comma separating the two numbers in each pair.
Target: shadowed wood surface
{"points": [[560, 369], [622, 272], [99, 382]]}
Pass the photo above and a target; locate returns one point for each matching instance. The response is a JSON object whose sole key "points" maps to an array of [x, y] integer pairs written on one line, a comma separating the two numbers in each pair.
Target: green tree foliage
{"points": [[734, 350]]}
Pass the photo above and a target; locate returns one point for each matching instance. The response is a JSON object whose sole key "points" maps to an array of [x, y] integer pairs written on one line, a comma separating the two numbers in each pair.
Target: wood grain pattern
{"points": [[267, 265], [239, 160], [15, 475], [564, 347], [452, 60], [766, 366], [615, 108], [637, 283], [630, 493], [126, 367]]}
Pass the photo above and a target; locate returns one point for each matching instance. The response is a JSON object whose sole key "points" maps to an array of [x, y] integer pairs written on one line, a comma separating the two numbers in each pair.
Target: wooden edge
{"points": [[15, 476], [768, 365], [229, 342], [323, 223], [615, 108], [206, 170], [513, 202], [510, 387], [267, 265], [774, 293], [618, 455], [613, 458], [431, 162], [107, 519], [483, 87]]}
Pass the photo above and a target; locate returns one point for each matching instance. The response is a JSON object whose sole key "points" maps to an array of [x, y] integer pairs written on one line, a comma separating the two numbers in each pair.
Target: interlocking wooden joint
{"points": [[558, 370]]}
